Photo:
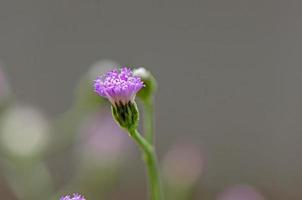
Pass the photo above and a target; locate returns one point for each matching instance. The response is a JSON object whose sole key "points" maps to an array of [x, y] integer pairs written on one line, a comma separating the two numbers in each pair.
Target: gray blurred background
{"points": [[229, 74]]}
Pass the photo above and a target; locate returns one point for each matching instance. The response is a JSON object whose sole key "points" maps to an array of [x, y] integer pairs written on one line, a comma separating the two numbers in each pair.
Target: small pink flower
{"points": [[73, 197], [118, 86]]}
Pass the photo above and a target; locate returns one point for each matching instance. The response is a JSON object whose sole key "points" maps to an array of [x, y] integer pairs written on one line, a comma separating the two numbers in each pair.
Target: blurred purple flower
{"points": [[183, 164], [4, 87], [73, 197], [240, 192], [118, 86], [101, 140]]}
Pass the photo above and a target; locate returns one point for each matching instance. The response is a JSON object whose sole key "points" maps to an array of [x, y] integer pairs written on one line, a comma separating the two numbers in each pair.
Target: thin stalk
{"points": [[151, 164], [149, 120]]}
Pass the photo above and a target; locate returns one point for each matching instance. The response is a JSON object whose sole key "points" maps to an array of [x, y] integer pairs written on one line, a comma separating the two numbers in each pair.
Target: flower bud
{"points": [[149, 81]]}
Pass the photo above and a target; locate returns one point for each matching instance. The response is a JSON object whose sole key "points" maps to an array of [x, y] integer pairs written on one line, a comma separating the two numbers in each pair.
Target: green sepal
{"points": [[126, 115]]}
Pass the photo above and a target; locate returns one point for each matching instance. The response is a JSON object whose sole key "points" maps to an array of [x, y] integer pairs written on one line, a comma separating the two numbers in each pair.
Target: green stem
{"points": [[149, 120], [151, 163]]}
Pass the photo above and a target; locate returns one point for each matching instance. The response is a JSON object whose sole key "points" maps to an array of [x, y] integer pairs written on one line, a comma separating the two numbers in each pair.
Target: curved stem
{"points": [[151, 164], [149, 120]]}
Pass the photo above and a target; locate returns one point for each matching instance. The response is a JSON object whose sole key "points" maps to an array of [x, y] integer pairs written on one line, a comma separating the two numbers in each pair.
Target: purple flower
{"points": [[183, 164], [101, 141], [240, 192], [118, 86], [73, 197]]}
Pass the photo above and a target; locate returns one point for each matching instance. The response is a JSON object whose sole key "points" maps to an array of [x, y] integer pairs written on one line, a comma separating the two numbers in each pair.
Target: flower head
{"points": [[73, 197], [118, 86]]}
